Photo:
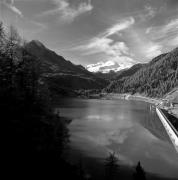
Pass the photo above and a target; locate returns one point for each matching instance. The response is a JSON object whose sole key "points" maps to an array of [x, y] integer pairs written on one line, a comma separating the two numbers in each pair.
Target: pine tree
{"points": [[139, 172], [111, 166]]}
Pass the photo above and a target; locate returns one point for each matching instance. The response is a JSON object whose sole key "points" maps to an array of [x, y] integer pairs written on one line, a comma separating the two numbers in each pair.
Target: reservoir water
{"points": [[129, 128]]}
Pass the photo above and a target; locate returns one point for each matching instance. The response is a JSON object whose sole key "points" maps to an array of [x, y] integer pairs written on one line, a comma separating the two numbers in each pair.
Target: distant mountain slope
{"points": [[153, 79], [112, 75], [128, 72], [108, 76], [60, 73], [53, 62]]}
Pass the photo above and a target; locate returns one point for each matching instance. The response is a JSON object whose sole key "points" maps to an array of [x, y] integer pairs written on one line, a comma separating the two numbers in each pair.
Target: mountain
{"points": [[115, 75], [108, 76], [154, 79], [128, 72], [62, 75], [107, 67]]}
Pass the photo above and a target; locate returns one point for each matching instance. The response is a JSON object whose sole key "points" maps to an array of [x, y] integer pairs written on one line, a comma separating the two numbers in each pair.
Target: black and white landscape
{"points": [[89, 89]]}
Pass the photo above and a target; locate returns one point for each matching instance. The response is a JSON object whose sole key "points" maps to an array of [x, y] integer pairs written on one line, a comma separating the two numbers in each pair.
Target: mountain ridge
{"points": [[154, 79], [61, 74]]}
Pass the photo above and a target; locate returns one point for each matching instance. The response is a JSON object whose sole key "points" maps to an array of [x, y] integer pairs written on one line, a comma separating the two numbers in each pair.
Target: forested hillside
{"points": [[153, 79], [62, 76], [34, 135], [128, 72]]}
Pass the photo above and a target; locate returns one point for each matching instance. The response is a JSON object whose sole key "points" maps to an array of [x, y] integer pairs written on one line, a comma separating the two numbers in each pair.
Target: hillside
{"points": [[62, 75], [128, 72], [172, 97], [153, 79], [112, 75]]}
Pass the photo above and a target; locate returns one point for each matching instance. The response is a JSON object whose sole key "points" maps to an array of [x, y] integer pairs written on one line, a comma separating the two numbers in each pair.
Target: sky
{"points": [[98, 33]]}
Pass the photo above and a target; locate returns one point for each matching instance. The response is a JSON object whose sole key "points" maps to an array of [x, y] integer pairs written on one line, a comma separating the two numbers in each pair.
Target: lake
{"points": [[129, 128]]}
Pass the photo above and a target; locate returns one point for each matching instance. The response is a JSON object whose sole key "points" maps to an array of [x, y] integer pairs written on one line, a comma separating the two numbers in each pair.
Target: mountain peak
{"points": [[37, 43]]}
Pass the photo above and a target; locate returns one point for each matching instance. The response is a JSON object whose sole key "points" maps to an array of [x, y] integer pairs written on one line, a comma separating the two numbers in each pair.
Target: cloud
{"points": [[10, 5], [174, 41], [150, 11], [148, 30], [66, 11], [113, 64], [166, 34], [96, 45], [117, 52], [143, 46], [166, 30], [122, 25], [147, 13], [158, 38], [104, 44], [153, 50], [104, 67], [171, 26]]}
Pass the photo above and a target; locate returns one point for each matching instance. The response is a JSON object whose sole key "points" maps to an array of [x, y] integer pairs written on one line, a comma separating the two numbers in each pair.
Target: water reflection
{"points": [[126, 127]]}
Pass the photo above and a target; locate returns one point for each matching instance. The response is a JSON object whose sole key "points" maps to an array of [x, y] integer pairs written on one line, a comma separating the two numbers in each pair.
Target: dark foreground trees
{"points": [[34, 136], [139, 173], [111, 167]]}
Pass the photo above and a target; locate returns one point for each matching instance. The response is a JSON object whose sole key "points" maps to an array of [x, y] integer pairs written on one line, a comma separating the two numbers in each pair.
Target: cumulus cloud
{"points": [[104, 44], [66, 11], [104, 67], [113, 64], [117, 52], [10, 5]]}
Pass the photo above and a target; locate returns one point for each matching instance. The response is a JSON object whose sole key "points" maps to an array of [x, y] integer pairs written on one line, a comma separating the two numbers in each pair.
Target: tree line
{"points": [[35, 136], [154, 79]]}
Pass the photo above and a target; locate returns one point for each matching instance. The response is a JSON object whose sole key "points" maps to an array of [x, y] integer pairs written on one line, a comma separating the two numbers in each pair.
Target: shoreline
{"points": [[138, 97], [135, 97]]}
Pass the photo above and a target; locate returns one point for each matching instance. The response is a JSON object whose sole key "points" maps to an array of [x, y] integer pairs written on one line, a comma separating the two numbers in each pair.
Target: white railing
{"points": [[171, 131]]}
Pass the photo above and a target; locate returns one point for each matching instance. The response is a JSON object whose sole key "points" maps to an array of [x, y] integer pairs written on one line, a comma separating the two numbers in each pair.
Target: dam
{"points": [[170, 129]]}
